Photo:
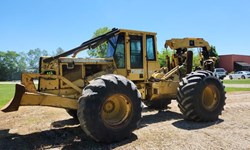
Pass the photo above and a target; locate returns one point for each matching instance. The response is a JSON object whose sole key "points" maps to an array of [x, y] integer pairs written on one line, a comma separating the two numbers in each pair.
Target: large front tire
{"points": [[110, 108], [201, 96]]}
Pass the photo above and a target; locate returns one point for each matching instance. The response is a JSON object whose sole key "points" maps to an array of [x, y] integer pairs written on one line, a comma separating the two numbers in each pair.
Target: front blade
{"points": [[13, 104]]}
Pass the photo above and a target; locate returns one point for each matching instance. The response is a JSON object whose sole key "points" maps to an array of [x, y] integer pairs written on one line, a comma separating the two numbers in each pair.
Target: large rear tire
{"points": [[201, 96], [110, 108]]}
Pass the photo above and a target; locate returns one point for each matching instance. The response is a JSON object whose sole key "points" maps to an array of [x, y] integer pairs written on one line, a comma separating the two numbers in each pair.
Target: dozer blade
{"points": [[13, 104]]}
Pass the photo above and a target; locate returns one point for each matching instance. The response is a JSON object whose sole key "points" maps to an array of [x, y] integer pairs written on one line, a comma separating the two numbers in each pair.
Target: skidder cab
{"points": [[105, 94]]}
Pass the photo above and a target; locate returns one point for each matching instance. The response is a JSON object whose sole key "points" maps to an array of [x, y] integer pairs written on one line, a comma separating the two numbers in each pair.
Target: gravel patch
{"points": [[52, 128]]}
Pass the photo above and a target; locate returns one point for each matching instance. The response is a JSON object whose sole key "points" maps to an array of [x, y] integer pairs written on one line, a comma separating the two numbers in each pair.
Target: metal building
{"points": [[234, 62]]}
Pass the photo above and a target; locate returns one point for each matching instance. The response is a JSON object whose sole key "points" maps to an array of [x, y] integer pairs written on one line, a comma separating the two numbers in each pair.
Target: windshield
{"points": [[113, 47], [112, 42], [104, 50]]}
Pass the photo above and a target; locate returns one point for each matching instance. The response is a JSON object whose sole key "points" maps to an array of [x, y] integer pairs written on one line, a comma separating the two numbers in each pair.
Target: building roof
{"points": [[235, 55], [243, 64]]}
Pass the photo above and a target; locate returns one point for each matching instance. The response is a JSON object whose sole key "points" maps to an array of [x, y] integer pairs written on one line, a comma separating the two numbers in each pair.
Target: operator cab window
{"points": [[136, 59], [120, 52], [150, 47]]}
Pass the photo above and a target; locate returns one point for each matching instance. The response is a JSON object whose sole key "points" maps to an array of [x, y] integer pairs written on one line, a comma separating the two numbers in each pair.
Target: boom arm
{"points": [[92, 43], [187, 43]]}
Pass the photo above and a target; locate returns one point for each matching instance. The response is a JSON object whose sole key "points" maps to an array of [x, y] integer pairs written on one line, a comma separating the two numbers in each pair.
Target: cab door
{"points": [[120, 55], [136, 57]]}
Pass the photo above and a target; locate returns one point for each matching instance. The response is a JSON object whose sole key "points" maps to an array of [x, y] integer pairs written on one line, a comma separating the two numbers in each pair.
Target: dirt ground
{"points": [[52, 128]]}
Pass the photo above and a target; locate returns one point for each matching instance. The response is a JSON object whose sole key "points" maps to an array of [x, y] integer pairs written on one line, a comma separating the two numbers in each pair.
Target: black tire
{"points": [[110, 108], [201, 96], [243, 77], [158, 104], [72, 113], [230, 77]]}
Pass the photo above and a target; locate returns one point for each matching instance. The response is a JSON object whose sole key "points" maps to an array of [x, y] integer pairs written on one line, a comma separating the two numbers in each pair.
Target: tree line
{"points": [[12, 64]]}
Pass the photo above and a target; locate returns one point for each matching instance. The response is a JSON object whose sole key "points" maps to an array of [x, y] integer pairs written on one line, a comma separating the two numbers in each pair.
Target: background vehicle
{"points": [[240, 75], [105, 94], [220, 73]]}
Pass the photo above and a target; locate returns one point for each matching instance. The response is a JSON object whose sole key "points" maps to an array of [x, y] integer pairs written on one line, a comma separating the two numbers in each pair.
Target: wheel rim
{"points": [[210, 97], [116, 110]]}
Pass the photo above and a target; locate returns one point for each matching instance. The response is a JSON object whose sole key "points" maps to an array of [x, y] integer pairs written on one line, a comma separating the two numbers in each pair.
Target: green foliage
{"points": [[196, 60], [162, 56], [11, 65], [213, 53], [22, 62], [59, 51], [33, 57], [101, 50]]}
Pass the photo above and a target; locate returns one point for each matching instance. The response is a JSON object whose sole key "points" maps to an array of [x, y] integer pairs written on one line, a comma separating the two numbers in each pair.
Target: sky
{"points": [[49, 24]]}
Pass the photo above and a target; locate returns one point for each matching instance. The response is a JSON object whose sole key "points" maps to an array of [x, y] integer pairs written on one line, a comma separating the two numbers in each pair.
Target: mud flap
{"points": [[14, 104]]}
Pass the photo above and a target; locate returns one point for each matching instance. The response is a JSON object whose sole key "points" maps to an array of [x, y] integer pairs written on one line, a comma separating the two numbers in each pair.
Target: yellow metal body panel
{"points": [[176, 43], [48, 100], [152, 67], [69, 92], [136, 32], [164, 89], [76, 75], [27, 81], [122, 72]]}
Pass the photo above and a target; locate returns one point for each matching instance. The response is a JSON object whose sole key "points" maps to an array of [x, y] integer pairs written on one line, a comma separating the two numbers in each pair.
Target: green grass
{"points": [[233, 89], [6, 93], [237, 81]]}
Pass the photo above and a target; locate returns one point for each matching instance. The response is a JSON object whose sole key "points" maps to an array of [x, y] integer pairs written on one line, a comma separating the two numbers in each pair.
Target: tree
{"points": [[213, 53], [22, 65], [101, 50], [33, 57], [3, 67], [12, 65], [162, 56], [196, 60], [59, 51]]}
